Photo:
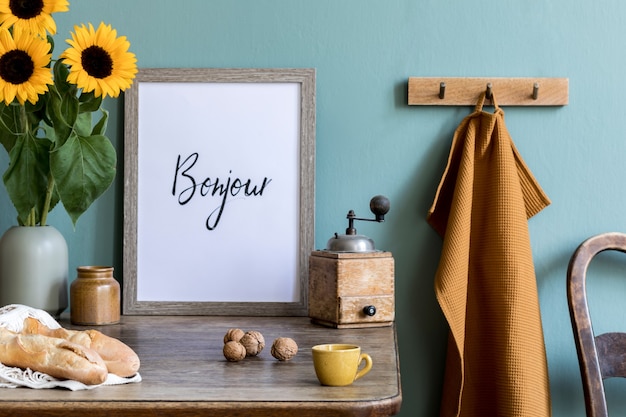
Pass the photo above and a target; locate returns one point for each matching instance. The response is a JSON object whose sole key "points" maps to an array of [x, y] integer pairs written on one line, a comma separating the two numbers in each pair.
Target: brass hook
{"points": [[535, 91], [442, 90]]}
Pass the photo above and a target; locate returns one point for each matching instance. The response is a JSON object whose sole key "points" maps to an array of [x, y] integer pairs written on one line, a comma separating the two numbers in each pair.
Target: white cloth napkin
{"points": [[12, 317]]}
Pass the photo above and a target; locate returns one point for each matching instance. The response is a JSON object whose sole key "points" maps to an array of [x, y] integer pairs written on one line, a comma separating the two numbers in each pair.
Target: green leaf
{"points": [[62, 113], [51, 42], [26, 178], [60, 72], [82, 126], [49, 132], [69, 108], [9, 124], [101, 127], [54, 115], [89, 102], [83, 168]]}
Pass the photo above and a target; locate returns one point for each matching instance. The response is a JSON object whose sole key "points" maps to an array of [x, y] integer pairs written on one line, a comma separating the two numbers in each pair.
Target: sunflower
{"points": [[33, 16], [24, 67], [99, 61]]}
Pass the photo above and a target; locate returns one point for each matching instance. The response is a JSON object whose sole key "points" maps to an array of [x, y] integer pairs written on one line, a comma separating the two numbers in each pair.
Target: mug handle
{"points": [[368, 365]]}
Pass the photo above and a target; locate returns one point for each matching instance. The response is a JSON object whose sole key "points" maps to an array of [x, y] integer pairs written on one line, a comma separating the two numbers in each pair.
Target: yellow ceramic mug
{"points": [[340, 364]]}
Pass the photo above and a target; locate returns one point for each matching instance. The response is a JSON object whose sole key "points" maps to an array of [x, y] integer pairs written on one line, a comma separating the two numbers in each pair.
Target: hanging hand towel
{"points": [[485, 283]]}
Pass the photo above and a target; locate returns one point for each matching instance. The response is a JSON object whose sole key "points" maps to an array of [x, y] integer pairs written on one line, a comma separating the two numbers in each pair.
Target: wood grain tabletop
{"points": [[184, 373]]}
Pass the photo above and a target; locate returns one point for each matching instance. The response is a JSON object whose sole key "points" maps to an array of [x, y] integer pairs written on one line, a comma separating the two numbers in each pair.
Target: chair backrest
{"points": [[603, 356]]}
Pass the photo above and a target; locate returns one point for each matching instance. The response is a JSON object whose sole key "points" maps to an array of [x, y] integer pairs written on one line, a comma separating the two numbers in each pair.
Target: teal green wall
{"points": [[369, 141]]}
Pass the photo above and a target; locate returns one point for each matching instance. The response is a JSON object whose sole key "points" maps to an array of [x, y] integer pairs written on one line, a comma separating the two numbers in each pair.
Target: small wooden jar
{"points": [[95, 296]]}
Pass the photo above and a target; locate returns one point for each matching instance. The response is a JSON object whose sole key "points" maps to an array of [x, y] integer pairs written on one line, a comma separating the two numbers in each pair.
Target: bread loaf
{"points": [[56, 357], [119, 358]]}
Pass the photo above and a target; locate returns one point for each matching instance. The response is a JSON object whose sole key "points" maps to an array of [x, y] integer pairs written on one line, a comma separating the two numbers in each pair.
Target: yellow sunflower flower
{"points": [[33, 16], [99, 61], [24, 71]]}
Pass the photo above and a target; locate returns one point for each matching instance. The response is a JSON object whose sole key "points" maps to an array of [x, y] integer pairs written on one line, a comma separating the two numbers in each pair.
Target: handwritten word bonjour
{"points": [[211, 187]]}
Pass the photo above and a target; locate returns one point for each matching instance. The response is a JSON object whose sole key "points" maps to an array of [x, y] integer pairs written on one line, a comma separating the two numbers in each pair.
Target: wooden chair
{"points": [[600, 357]]}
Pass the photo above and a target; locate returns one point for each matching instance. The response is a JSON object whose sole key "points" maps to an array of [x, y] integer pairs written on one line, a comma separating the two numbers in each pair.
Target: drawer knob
{"points": [[369, 310]]}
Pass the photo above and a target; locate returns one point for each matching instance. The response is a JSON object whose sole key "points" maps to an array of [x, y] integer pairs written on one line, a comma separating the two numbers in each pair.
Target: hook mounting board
{"points": [[456, 91]]}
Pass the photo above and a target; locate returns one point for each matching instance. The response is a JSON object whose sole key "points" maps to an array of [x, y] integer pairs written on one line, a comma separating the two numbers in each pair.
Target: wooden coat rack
{"points": [[446, 91]]}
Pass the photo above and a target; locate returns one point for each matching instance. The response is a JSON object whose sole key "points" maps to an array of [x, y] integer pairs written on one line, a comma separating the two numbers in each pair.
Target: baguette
{"points": [[119, 358], [53, 356]]}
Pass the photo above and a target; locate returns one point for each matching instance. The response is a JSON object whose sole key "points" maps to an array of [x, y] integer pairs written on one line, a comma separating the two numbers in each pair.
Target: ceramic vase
{"points": [[34, 268], [95, 296]]}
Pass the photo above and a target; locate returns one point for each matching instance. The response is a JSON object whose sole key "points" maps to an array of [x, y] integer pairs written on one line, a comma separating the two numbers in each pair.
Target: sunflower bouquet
{"points": [[58, 151]]}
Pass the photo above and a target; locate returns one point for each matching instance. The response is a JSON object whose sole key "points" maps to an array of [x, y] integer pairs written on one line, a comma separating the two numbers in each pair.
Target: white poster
{"points": [[218, 204]]}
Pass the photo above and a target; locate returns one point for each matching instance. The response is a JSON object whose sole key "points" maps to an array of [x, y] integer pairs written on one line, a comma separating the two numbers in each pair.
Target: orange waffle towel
{"points": [[485, 282]]}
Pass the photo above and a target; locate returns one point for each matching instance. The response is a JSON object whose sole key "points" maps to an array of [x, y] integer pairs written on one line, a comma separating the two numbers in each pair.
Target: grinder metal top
{"points": [[353, 242]]}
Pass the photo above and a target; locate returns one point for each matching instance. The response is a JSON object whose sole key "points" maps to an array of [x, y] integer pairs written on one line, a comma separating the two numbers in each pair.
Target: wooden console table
{"points": [[185, 374]]}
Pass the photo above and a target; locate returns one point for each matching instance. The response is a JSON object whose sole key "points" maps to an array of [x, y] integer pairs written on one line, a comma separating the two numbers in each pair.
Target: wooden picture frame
{"points": [[219, 191]]}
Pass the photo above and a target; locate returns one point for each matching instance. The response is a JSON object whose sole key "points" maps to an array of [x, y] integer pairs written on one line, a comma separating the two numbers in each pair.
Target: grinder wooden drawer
{"points": [[351, 309]]}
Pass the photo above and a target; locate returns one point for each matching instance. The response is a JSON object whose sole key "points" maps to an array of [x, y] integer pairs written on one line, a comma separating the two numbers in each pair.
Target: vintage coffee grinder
{"points": [[351, 284]]}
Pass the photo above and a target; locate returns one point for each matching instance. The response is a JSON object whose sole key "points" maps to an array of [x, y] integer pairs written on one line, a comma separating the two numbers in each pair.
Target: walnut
{"points": [[233, 334], [234, 351], [253, 341], [284, 348]]}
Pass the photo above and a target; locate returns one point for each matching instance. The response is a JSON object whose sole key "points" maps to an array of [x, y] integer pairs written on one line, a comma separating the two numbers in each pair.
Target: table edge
{"points": [[374, 408]]}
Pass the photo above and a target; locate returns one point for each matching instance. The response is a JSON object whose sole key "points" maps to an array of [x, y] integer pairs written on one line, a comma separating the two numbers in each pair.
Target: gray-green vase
{"points": [[34, 268]]}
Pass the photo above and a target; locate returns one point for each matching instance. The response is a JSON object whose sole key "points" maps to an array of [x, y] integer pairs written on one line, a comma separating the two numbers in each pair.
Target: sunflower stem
{"points": [[31, 217], [22, 127], [46, 204]]}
